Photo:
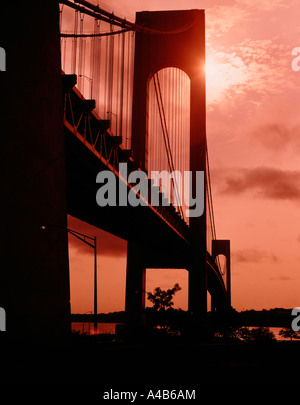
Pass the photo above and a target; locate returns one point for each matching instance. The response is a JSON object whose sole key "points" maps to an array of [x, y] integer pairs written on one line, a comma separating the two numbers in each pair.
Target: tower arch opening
{"points": [[168, 134]]}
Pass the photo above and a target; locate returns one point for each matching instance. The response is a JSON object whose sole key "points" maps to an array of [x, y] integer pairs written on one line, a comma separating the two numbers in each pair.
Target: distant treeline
{"points": [[280, 317], [113, 317]]}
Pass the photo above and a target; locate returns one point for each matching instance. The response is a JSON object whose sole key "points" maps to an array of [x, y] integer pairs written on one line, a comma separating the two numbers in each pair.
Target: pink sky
{"points": [[253, 133]]}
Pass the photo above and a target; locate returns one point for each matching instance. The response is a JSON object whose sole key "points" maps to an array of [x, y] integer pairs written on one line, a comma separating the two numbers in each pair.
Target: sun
{"points": [[224, 73], [215, 80]]}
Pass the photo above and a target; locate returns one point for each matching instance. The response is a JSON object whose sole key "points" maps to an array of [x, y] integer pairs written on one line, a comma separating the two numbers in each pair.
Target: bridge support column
{"points": [[217, 303], [198, 289], [34, 274], [222, 247], [213, 303], [135, 284]]}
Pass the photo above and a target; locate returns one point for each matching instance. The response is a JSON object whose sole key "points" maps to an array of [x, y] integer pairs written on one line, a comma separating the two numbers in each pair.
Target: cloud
{"points": [[276, 136], [266, 5], [264, 182], [222, 18], [273, 136], [253, 256], [252, 67], [281, 278]]}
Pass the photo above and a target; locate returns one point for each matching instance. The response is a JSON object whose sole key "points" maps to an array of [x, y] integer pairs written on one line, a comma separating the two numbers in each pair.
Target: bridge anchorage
{"points": [[134, 94]]}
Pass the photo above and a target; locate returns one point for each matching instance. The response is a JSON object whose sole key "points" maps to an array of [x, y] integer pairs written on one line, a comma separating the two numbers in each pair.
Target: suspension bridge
{"points": [[107, 93]]}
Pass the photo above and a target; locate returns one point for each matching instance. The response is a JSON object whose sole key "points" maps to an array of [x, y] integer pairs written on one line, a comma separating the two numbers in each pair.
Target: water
{"points": [[110, 328], [88, 327]]}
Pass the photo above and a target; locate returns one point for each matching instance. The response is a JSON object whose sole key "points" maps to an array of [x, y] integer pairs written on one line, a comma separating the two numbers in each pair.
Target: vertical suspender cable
{"points": [[80, 78], [92, 56], [99, 62], [81, 61], [122, 87], [61, 7], [74, 48], [128, 88], [130, 69], [171, 122], [110, 72], [106, 63], [96, 64], [116, 84], [62, 40], [177, 104]]}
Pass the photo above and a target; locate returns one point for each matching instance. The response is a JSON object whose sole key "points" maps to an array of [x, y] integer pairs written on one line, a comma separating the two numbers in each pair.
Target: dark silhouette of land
{"points": [[144, 358], [276, 317], [149, 359]]}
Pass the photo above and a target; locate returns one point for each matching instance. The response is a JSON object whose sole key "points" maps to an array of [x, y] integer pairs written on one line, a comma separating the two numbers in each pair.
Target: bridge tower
{"points": [[171, 39]]}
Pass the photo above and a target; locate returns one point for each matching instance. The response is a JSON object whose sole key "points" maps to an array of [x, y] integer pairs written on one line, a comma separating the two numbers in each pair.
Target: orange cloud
{"points": [[256, 66], [263, 182], [277, 136], [253, 256]]}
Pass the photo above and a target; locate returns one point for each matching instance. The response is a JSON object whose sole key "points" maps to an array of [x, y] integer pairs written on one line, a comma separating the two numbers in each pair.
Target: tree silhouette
{"points": [[288, 333], [162, 299], [259, 334]]}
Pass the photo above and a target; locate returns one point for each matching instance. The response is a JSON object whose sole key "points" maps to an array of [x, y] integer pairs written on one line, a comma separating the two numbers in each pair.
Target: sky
{"points": [[253, 135]]}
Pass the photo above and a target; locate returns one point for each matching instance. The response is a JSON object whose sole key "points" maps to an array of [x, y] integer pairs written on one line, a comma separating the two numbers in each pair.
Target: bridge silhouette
{"points": [[110, 92]]}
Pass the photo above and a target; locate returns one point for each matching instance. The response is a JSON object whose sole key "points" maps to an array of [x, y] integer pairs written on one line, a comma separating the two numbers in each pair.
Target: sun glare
{"points": [[215, 83], [221, 75]]}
